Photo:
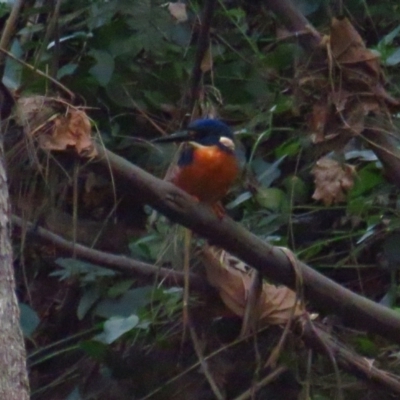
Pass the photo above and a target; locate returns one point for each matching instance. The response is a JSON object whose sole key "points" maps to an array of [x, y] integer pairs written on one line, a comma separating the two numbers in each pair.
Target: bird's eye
{"points": [[227, 142]]}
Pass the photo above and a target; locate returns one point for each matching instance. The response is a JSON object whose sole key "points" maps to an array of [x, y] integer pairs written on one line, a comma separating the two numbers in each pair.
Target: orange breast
{"points": [[209, 176]]}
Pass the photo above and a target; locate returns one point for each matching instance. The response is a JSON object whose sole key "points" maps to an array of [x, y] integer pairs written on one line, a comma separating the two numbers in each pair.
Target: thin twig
{"points": [[51, 28], [9, 31], [295, 22], [252, 309], [248, 394], [319, 340], [38, 72], [202, 47], [204, 364]]}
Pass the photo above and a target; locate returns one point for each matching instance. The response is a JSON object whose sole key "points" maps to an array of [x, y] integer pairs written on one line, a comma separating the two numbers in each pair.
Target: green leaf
{"points": [[271, 198], [120, 288], [5, 7], [104, 67], [239, 200], [115, 327], [283, 103], [29, 29], [101, 13], [146, 248], [28, 318], [366, 347], [74, 395], [76, 35], [394, 58], [67, 69], [151, 22], [307, 7], [89, 297], [94, 349], [88, 272], [320, 397], [311, 251], [13, 69], [358, 206], [288, 148], [388, 39], [282, 57], [296, 189], [391, 249], [368, 178], [364, 155], [131, 302], [266, 173], [371, 230]]}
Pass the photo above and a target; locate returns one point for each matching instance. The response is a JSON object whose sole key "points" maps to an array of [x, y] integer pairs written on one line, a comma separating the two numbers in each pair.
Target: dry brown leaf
{"points": [[33, 112], [348, 92], [340, 99], [347, 45], [232, 279], [56, 124], [178, 11], [70, 130], [332, 180]]}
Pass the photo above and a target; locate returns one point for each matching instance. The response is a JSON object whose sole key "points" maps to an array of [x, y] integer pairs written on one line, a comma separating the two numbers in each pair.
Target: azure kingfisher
{"points": [[207, 165]]}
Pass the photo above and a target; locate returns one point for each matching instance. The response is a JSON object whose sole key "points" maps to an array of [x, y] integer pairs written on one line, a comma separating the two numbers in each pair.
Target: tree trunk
{"points": [[14, 383]]}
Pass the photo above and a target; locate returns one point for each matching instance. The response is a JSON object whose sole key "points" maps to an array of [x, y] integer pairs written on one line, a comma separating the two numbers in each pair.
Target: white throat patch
{"points": [[227, 142]]}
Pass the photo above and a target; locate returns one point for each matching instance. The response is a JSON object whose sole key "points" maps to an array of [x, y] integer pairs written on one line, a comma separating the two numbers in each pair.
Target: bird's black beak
{"points": [[178, 137]]}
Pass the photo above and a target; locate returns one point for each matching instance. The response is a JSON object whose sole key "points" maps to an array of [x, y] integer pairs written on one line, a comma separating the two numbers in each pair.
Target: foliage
{"points": [[130, 63]]}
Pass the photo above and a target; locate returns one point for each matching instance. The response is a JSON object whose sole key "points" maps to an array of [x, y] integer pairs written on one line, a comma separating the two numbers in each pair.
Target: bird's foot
{"points": [[219, 210]]}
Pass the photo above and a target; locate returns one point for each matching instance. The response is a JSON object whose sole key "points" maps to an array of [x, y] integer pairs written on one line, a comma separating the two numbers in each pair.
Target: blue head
{"points": [[205, 132], [209, 132]]}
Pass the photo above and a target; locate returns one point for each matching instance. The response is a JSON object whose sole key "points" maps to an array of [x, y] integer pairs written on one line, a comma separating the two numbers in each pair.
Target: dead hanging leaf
{"points": [[347, 45], [56, 125], [233, 280], [178, 11], [33, 112], [70, 130], [349, 50], [332, 180]]}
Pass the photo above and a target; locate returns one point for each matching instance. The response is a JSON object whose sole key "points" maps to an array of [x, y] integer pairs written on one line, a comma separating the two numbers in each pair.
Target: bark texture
{"points": [[14, 383]]}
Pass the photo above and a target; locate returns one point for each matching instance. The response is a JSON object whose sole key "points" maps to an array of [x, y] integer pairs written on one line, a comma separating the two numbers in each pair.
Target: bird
{"points": [[206, 169], [207, 165]]}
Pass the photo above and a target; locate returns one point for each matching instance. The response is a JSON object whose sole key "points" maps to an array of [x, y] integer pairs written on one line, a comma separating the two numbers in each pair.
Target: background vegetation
{"points": [[313, 141]]}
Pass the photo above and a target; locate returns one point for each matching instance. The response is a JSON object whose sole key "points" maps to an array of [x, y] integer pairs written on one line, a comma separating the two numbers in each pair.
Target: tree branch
{"points": [[295, 22], [125, 265], [319, 340], [323, 293]]}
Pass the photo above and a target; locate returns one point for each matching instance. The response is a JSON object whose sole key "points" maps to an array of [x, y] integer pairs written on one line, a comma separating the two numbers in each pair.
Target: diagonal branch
{"points": [[316, 338], [323, 293], [125, 265], [295, 22]]}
